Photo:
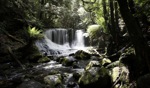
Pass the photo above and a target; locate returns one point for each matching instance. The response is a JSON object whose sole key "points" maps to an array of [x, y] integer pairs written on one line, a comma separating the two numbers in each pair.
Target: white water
{"points": [[79, 40], [57, 42]]}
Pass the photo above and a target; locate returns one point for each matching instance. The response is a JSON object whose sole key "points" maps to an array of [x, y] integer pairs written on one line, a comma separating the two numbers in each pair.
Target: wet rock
{"points": [[69, 81], [144, 81], [6, 84], [53, 80], [95, 77], [67, 61], [34, 57], [72, 54], [120, 72], [43, 60], [95, 57], [82, 63], [68, 77], [77, 73], [5, 66], [72, 85], [30, 84], [5, 58], [82, 55], [93, 64]]}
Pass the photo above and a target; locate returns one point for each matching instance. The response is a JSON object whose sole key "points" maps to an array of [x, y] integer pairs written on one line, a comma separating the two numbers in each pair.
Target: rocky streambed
{"points": [[78, 70]]}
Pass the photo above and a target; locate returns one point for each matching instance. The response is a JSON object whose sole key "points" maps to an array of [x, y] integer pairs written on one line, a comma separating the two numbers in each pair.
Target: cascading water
{"points": [[61, 41], [79, 40]]}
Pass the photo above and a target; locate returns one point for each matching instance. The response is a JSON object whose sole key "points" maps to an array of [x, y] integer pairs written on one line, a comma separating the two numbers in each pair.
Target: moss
{"points": [[85, 79], [34, 57], [67, 61], [43, 59], [53, 80], [95, 76]]}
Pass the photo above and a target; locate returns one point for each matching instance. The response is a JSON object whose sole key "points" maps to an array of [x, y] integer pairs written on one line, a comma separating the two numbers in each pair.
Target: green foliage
{"points": [[93, 30], [96, 12], [34, 33], [143, 7]]}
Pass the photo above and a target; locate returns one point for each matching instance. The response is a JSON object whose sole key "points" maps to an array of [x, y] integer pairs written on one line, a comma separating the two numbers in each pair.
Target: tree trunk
{"points": [[141, 47], [105, 13], [112, 19], [117, 17]]}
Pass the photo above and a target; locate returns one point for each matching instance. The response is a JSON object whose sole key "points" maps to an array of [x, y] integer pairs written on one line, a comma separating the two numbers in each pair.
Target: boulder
{"points": [[95, 77], [67, 61], [93, 63], [72, 85], [43, 60], [53, 80], [82, 55]]}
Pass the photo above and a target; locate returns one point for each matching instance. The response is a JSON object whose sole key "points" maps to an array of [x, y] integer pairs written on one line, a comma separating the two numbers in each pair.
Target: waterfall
{"points": [[79, 40], [61, 41]]}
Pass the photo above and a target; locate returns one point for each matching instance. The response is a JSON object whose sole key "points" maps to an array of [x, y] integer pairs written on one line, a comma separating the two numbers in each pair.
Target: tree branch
{"points": [[12, 37]]}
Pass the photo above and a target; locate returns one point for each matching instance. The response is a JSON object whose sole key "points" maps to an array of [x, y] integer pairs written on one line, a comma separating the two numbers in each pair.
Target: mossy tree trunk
{"points": [[141, 47]]}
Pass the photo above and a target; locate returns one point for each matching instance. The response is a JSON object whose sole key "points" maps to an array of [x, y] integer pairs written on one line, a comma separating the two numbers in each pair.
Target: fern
{"points": [[34, 33]]}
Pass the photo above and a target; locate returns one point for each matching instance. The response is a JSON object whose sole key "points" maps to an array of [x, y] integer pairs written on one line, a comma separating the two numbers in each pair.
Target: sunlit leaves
{"points": [[34, 33], [93, 30]]}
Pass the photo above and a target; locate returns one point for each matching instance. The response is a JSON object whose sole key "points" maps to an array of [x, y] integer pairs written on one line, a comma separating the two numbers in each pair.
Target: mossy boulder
{"points": [[95, 77], [31, 53], [67, 61], [120, 73], [43, 60], [93, 63], [53, 80], [82, 55], [34, 57]]}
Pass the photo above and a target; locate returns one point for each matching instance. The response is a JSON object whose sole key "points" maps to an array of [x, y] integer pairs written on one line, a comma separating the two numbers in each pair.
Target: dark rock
{"points": [[34, 57], [143, 81], [77, 73], [30, 84], [67, 61], [95, 57], [72, 54], [72, 85], [82, 55]]}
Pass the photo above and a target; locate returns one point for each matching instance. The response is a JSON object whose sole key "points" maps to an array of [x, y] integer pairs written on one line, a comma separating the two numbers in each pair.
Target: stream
{"points": [[67, 68]]}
